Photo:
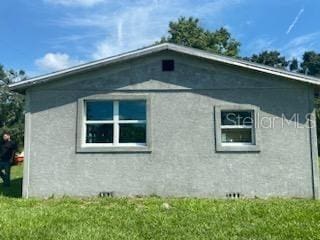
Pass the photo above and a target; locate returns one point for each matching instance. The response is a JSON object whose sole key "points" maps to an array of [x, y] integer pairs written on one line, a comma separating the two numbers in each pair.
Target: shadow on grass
{"points": [[15, 189]]}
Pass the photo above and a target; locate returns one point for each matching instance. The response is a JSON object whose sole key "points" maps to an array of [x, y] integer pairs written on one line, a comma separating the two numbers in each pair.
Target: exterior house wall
{"points": [[183, 160]]}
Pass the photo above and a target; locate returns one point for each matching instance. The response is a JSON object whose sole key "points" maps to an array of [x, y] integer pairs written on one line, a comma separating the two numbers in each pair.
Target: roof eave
{"points": [[22, 86]]}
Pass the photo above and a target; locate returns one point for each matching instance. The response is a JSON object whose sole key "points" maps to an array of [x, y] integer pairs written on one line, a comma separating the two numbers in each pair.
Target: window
{"points": [[236, 128], [107, 124], [116, 122]]}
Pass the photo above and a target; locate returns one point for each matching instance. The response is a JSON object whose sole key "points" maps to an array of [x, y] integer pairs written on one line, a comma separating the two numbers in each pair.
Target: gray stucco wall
{"points": [[183, 160]]}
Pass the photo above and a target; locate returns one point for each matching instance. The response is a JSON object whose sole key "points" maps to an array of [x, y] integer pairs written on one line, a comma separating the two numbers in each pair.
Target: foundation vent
{"points": [[233, 195], [106, 194]]}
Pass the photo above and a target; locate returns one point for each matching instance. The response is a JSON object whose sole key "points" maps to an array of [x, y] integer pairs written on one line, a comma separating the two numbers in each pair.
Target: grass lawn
{"points": [[147, 218]]}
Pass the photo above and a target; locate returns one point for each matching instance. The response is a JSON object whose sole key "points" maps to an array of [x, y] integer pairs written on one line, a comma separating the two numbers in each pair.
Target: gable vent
{"points": [[168, 65]]}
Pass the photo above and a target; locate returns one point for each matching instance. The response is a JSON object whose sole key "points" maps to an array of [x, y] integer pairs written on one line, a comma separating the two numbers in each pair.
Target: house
{"points": [[171, 121]]}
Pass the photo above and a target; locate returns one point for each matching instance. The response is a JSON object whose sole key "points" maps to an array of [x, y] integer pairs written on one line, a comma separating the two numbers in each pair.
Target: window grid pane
{"points": [[99, 110], [132, 110], [236, 136], [237, 118], [99, 133], [132, 133]]}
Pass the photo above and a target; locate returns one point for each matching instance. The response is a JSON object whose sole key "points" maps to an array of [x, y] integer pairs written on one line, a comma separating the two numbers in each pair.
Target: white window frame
{"points": [[116, 126], [252, 146], [116, 146]]}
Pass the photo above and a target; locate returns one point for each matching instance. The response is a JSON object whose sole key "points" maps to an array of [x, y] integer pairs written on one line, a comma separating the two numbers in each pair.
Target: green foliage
{"points": [[147, 218], [11, 106], [269, 58], [294, 65], [311, 63], [188, 32]]}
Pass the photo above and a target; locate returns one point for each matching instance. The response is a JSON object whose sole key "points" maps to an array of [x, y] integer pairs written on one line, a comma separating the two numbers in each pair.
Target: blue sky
{"points": [[41, 36]]}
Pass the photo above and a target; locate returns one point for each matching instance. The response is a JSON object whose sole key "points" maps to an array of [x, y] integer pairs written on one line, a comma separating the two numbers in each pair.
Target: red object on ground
{"points": [[19, 158]]}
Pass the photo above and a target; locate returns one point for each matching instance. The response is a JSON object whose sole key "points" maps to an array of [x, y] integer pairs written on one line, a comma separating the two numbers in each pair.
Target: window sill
{"points": [[114, 149], [237, 148]]}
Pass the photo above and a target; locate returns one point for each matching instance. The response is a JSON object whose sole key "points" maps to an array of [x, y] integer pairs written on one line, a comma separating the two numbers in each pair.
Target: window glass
{"points": [[132, 110], [99, 110], [236, 135], [99, 133], [236, 118], [132, 133], [130, 126]]}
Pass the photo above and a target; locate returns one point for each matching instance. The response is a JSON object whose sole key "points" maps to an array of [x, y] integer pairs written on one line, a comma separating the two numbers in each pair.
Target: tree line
{"points": [[185, 31], [11, 106], [188, 32]]}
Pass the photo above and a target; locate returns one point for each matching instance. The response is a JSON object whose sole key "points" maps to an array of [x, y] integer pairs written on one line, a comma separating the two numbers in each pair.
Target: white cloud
{"points": [[297, 46], [293, 49], [293, 24], [56, 61], [260, 44], [140, 23], [86, 3]]}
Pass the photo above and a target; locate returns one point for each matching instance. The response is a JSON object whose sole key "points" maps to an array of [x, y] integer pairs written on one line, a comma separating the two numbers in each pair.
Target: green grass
{"points": [[146, 218]]}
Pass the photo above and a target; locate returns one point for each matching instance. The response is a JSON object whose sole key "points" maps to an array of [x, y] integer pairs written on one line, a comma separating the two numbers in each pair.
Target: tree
{"points": [[188, 32], [294, 65], [11, 106], [269, 58], [311, 63]]}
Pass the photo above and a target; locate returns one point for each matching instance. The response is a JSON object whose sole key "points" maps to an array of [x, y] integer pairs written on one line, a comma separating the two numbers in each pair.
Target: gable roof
{"points": [[22, 85]]}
